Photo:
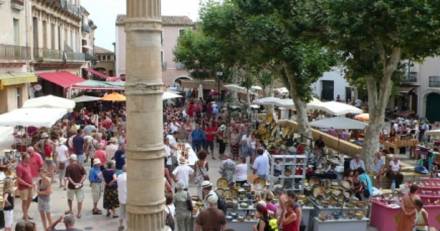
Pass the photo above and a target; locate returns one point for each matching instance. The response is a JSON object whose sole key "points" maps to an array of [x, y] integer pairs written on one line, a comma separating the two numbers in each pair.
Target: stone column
{"points": [[145, 156]]}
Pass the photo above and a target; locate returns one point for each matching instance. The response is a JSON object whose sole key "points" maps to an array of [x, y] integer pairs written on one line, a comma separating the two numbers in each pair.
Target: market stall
{"points": [[50, 101], [36, 117]]}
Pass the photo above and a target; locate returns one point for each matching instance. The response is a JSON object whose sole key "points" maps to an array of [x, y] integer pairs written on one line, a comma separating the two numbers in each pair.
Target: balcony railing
{"points": [[410, 77], [48, 54], [12, 52]]}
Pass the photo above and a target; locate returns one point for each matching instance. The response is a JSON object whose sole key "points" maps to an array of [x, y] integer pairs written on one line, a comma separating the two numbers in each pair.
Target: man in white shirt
{"points": [[122, 196], [169, 153], [172, 140], [356, 163], [62, 152], [261, 164], [183, 173]]}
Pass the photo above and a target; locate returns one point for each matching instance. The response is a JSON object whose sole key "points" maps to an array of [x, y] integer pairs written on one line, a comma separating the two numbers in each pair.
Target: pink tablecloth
{"points": [[385, 218]]}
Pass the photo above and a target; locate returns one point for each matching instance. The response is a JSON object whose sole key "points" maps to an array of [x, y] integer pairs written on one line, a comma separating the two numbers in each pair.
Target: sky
{"points": [[103, 13]]}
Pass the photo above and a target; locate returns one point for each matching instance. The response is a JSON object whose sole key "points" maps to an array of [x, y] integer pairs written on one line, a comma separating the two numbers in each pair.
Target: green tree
{"points": [[373, 37], [268, 32]]}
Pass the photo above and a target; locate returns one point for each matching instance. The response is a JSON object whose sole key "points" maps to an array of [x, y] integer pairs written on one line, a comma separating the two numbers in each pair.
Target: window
{"points": [[16, 32], [181, 32], [59, 37], [44, 34], [434, 81], [19, 97], [35, 32], [52, 36]]}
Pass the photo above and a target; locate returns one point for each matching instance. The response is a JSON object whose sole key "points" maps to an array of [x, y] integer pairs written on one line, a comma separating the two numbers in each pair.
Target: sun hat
{"points": [[212, 198], [96, 161], [73, 157], [206, 184]]}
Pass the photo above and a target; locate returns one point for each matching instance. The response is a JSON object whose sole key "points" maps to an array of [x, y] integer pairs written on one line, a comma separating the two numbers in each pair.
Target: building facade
{"points": [[333, 86], [172, 28], [105, 61], [15, 54], [38, 38]]}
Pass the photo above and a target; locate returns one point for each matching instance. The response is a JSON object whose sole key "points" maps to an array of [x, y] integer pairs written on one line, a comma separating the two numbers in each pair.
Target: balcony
{"points": [[12, 52], [434, 81], [410, 77], [17, 4], [43, 54]]}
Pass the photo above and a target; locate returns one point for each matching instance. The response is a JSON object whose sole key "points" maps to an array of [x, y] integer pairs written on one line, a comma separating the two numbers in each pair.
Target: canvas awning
{"points": [[100, 85], [49, 101], [339, 123], [86, 98], [9, 79], [36, 117], [63, 79], [338, 108]]}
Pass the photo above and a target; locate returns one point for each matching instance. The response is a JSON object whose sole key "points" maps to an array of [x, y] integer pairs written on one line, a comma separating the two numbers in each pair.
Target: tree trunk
{"points": [[379, 92], [300, 106]]}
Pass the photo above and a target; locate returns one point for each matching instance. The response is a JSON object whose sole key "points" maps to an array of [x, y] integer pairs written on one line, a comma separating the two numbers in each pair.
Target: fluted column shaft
{"points": [[145, 164]]}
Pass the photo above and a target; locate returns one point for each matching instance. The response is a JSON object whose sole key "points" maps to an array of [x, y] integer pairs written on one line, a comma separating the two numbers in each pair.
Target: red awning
{"points": [[63, 78]]}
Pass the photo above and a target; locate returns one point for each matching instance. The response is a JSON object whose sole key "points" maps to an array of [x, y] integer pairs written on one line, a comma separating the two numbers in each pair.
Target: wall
{"points": [[9, 97], [120, 50], [430, 67], [337, 75], [171, 72], [7, 28]]}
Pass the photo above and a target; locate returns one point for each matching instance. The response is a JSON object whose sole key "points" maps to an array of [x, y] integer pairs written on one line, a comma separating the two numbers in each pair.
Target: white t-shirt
{"points": [[62, 153], [171, 209], [182, 173], [241, 172], [395, 167], [110, 151], [122, 188], [168, 154], [172, 140]]}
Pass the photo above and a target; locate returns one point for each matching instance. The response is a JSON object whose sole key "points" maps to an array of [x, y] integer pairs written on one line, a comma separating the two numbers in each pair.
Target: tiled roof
{"points": [[101, 50], [166, 20]]}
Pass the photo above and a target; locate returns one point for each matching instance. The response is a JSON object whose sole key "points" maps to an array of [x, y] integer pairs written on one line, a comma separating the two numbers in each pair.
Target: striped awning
{"points": [[9, 79]]}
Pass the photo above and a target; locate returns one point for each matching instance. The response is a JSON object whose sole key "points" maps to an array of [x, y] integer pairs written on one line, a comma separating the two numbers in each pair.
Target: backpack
{"points": [[221, 204]]}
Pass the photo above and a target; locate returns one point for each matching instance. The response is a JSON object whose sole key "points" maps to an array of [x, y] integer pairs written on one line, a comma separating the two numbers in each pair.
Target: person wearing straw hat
{"points": [[96, 178]]}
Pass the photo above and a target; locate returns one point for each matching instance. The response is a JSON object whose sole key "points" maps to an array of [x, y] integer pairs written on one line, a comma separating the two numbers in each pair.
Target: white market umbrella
{"points": [[50, 101], [6, 137], [339, 123], [314, 104], [36, 117], [170, 95], [236, 88], [338, 108], [85, 98], [286, 103], [256, 88], [267, 101]]}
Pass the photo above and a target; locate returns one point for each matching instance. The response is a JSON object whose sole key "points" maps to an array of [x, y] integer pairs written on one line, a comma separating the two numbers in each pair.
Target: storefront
{"points": [[14, 89]]}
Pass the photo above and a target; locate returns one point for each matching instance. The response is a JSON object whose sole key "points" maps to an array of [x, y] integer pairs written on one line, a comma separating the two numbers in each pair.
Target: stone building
{"points": [[105, 61], [172, 28], [15, 54]]}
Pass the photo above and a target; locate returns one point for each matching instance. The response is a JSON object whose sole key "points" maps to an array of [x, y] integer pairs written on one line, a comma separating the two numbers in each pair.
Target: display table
{"points": [[192, 157], [385, 217], [340, 225], [241, 225]]}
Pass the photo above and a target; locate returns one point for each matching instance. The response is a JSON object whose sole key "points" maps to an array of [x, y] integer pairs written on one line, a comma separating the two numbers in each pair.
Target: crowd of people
{"points": [[60, 156]]}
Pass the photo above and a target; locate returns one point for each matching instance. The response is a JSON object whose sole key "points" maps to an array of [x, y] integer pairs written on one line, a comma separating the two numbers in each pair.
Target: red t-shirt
{"points": [[35, 163], [100, 154], [24, 172], [210, 137], [48, 151]]}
